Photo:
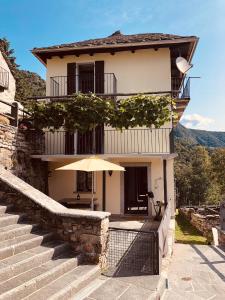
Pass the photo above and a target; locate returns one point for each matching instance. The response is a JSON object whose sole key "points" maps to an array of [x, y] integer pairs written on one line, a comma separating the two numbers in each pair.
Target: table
{"points": [[74, 202]]}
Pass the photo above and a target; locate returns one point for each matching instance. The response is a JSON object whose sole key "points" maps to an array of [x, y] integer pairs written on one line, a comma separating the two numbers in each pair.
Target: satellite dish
{"points": [[183, 65]]}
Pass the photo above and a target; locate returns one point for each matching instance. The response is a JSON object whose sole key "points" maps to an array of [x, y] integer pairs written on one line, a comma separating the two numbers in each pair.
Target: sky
{"points": [[28, 24]]}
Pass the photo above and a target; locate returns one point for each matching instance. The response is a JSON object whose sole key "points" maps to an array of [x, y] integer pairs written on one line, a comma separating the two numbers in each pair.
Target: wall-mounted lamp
{"points": [[110, 173]]}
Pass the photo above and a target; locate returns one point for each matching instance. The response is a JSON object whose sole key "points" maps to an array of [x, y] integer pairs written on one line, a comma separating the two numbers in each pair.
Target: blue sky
{"points": [[29, 23]]}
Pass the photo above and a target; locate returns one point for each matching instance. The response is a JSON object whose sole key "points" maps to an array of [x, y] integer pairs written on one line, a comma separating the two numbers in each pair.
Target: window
{"points": [[84, 181]]}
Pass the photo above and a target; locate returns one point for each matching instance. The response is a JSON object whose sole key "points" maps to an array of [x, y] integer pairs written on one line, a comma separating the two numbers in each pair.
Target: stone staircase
{"points": [[35, 264]]}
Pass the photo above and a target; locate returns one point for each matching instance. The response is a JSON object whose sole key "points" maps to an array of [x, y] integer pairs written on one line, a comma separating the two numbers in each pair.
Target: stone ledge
{"points": [[46, 202]]}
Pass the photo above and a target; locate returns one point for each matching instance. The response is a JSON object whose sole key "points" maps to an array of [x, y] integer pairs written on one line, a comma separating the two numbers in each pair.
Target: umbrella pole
{"points": [[92, 196]]}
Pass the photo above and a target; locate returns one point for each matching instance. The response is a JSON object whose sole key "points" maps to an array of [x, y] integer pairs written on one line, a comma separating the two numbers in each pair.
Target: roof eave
{"points": [[161, 42], [38, 52]]}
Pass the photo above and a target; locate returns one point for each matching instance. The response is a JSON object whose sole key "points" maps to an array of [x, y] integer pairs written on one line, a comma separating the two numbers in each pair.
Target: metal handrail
{"points": [[62, 85]]}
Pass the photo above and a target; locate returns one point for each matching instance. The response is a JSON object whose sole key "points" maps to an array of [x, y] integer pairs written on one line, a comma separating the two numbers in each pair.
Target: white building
{"points": [[7, 85], [117, 65]]}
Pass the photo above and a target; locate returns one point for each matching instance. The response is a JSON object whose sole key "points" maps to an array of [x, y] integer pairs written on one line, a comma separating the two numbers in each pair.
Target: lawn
{"points": [[186, 233]]}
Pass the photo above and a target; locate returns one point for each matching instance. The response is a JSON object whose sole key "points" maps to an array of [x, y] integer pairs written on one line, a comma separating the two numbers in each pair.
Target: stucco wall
{"points": [[62, 184], [142, 71], [9, 94], [171, 185]]}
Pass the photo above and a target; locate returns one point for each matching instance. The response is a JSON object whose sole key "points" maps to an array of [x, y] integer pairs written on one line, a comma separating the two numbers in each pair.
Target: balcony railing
{"points": [[85, 83], [180, 87], [4, 79], [107, 84], [110, 142]]}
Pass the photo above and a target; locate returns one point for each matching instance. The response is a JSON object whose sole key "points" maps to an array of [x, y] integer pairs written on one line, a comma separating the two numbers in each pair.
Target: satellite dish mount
{"points": [[183, 65]]}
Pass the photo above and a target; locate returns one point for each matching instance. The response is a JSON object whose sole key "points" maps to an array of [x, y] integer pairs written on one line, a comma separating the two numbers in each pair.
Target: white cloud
{"points": [[197, 121]]}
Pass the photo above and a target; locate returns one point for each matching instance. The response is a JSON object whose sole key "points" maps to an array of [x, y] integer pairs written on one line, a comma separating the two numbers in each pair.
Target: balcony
{"points": [[85, 83], [109, 142], [4, 79], [180, 87]]}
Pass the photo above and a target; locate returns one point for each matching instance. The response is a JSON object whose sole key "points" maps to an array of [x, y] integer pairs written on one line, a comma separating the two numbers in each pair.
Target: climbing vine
{"points": [[85, 111]]}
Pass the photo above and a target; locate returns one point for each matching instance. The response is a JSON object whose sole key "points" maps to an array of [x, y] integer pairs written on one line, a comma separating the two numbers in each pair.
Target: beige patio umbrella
{"points": [[92, 164]]}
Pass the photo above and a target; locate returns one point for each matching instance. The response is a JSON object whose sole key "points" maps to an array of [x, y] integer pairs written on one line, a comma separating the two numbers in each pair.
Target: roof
{"points": [[117, 38], [117, 42]]}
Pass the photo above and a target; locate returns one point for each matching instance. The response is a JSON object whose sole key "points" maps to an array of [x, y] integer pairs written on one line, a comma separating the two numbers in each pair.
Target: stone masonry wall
{"points": [[16, 146], [221, 236], [86, 231], [204, 223]]}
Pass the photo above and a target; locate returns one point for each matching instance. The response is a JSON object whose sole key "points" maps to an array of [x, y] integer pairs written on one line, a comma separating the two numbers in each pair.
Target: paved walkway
{"points": [[120, 288], [196, 272]]}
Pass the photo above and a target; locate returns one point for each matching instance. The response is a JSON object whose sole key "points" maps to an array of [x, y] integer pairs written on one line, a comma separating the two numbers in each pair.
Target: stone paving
{"points": [[196, 272], [130, 280], [122, 288]]}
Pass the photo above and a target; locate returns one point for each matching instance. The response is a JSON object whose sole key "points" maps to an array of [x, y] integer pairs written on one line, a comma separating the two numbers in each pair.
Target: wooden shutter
{"points": [[69, 143], [99, 77], [71, 78]]}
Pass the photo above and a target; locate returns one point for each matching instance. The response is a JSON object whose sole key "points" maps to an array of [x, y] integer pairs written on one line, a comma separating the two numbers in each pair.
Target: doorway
{"points": [[86, 82], [136, 190]]}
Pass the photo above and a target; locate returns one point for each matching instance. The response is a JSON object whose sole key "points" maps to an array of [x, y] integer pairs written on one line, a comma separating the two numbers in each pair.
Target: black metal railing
{"points": [[132, 253], [4, 79], [138, 252], [85, 83], [180, 87], [110, 141]]}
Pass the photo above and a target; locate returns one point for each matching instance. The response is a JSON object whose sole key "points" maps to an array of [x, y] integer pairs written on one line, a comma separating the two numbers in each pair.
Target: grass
{"points": [[186, 233]]}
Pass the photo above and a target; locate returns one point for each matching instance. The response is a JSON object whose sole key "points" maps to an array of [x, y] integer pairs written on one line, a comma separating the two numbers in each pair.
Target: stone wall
{"points": [[16, 146], [86, 231], [203, 222], [221, 236]]}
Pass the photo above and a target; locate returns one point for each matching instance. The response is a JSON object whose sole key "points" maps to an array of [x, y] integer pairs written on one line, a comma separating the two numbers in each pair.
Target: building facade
{"points": [[117, 66], [7, 85]]}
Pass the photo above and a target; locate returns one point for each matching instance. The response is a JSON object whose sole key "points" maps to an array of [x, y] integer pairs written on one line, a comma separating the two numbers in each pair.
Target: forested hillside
{"points": [[205, 138], [199, 174]]}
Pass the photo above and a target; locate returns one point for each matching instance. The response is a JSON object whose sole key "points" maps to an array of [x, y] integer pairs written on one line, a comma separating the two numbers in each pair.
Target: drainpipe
{"points": [[165, 180], [103, 190]]}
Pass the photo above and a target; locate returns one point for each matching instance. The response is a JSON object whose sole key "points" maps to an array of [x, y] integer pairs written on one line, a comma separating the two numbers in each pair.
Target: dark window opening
{"points": [[84, 181], [86, 78]]}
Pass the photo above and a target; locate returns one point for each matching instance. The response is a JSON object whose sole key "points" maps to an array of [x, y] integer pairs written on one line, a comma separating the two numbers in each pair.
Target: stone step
{"points": [[67, 285], [28, 282], [9, 219], [5, 208], [34, 257], [16, 230], [23, 243]]}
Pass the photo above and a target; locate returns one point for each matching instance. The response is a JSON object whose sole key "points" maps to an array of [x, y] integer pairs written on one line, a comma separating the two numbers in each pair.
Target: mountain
{"points": [[28, 84], [212, 139]]}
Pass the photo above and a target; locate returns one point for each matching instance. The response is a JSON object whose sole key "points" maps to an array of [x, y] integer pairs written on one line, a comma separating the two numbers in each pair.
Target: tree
{"points": [[8, 53], [28, 84], [218, 167], [200, 179], [195, 178]]}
